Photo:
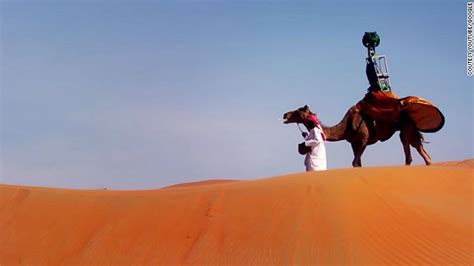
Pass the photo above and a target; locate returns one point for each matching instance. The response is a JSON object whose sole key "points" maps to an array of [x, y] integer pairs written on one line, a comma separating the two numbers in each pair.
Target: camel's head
{"points": [[297, 116]]}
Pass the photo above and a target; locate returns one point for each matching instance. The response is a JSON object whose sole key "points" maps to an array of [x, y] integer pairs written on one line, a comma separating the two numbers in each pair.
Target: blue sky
{"points": [[134, 95]]}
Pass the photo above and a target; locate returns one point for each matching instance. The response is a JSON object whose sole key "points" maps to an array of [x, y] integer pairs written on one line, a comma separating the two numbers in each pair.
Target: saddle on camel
{"points": [[382, 109]]}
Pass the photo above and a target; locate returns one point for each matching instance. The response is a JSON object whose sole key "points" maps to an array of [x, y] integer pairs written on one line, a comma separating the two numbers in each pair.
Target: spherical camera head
{"points": [[371, 39]]}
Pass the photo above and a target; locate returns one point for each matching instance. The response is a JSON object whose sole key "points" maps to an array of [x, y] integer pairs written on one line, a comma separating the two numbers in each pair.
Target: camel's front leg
{"points": [[358, 148]]}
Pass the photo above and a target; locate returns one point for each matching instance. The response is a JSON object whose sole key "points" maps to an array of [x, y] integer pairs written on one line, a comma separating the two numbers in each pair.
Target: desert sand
{"points": [[369, 216]]}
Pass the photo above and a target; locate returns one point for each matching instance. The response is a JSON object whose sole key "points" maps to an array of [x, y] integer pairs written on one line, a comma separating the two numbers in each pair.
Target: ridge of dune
{"points": [[469, 163], [367, 216], [201, 183]]}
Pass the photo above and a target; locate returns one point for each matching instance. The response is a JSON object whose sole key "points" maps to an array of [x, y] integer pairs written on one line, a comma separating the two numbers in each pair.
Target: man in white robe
{"points": [[315, 160]]}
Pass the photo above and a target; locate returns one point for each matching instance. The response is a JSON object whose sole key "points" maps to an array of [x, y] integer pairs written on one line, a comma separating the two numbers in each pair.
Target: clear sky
{"points": [[136, 95]]}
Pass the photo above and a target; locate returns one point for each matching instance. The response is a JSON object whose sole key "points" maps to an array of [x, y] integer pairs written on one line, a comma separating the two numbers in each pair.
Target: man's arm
{"points": [[314, 140]]}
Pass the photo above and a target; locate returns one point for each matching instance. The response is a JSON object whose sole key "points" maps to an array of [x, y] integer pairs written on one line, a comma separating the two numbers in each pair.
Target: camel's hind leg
{"points": [[406, 149], [421, 150], [417, 142], [406, 146], [409, 135]]}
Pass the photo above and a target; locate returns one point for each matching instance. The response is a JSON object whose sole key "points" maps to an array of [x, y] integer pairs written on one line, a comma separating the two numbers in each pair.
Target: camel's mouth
{"points": [[285, 120]]}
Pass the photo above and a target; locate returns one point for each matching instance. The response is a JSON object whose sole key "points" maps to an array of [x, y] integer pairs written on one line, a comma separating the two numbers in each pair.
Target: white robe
{"points": [[316, 159]]}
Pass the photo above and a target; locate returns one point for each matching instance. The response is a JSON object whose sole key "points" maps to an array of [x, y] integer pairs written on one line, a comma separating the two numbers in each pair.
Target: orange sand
{"points": [[370, 216]]}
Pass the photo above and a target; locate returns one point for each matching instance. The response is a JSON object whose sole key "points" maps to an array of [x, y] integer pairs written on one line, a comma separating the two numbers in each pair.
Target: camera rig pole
{"points": [[376, 68]]}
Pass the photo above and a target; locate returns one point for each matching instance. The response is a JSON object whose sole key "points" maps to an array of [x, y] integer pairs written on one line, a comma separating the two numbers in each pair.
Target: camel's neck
{"points": [[334, 133], [338, 132]]}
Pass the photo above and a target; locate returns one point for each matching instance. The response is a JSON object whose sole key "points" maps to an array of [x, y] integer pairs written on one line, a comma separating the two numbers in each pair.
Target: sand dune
{"points": [[371, 216]]}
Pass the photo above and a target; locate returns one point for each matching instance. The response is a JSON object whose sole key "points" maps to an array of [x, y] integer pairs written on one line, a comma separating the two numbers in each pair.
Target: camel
{"points": [[353, 128]]}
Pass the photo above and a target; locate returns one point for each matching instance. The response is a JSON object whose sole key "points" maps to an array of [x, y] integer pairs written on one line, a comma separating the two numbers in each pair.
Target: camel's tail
{"points": [[420, 136]]}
